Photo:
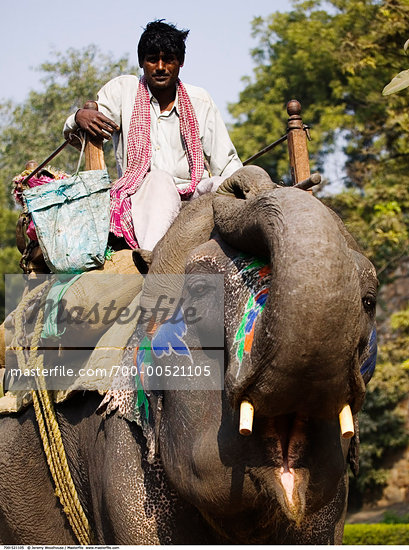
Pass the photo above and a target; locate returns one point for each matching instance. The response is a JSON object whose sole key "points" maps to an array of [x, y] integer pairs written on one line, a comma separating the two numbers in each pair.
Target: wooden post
{"points": [[31, 165], [94, 154], [297, 143]]}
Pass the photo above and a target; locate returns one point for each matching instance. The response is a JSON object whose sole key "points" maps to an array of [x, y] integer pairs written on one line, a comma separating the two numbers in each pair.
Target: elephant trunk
{"points": [[304, 356]]}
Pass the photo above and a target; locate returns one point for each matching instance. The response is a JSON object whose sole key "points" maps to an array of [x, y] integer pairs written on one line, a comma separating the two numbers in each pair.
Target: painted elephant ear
{"points": [[169, 337], [353, 451], [368, 366], [127, 396], [367, 370]]}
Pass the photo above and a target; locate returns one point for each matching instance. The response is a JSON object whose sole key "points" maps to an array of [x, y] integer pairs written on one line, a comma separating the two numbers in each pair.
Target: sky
{"points": [[218, 46]]}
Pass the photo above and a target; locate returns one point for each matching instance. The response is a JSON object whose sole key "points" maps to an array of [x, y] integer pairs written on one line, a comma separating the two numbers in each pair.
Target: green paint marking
{"points": [[251, 305], [142, 400], [254, 263]]}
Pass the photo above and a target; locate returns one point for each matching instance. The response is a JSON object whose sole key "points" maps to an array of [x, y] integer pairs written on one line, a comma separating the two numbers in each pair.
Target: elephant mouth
{"points": [[287, 433], [285, 441]]}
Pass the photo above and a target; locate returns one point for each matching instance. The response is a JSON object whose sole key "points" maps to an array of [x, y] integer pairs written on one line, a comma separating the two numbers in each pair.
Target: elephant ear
{"points": [[128, 399], [367, 370], [353, 451], [368, 366], [125, 403]]}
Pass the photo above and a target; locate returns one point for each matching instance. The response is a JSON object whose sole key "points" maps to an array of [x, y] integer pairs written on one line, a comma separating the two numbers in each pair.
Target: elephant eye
{"points": [[199, 289], [369, 303]]}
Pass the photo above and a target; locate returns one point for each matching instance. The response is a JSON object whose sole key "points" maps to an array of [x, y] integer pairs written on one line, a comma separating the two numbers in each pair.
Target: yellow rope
{"points": [[48, 426], [65, 488]]}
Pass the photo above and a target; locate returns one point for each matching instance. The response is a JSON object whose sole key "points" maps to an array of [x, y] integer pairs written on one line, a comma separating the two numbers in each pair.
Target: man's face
{"points": [[161, 70]]}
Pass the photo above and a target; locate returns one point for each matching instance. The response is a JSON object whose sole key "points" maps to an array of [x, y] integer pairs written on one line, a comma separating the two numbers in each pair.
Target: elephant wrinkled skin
{"points": [[287, 482]]}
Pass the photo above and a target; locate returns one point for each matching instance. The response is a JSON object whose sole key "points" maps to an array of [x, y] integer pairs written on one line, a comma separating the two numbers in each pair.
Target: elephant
{"points": [[298, 344]]}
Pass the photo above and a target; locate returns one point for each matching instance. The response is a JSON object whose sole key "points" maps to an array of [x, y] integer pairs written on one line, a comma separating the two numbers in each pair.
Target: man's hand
{"points": [[95, 123]]}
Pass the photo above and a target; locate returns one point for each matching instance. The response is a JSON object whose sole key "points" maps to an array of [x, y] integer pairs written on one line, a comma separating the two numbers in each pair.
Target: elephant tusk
{"points": [[246, 417], [346, 422]]}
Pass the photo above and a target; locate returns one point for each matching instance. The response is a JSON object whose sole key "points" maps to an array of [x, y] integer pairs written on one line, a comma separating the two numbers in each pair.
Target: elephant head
{"points": [[298, 342], [299, 312]]}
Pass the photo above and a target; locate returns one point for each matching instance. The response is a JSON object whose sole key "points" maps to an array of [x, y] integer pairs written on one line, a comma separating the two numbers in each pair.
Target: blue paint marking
{"points": [[169, 336], [250, 320], [368, 366]]}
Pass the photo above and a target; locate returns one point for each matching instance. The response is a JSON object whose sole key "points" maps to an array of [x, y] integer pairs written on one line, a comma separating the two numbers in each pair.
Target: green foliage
{"points": [[8, 220], [382, 432], [378, 533], [383, 419], [33, 129], [9, 255], [392, 518], [400, 321], [331, 56], [398, 82], [9, 263], [378, 218]]}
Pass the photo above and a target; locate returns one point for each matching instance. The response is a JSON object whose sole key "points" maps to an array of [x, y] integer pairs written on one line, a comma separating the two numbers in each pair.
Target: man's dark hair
{"points": [[162, 37]]}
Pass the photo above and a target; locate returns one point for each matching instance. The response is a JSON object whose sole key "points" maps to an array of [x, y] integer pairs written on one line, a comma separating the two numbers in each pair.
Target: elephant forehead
{"points": [[366, 271], [209, 254], [241, 270]]}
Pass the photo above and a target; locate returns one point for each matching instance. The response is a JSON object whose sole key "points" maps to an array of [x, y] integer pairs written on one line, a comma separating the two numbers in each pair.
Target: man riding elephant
{"points": [[163, 134], [169, 138]]}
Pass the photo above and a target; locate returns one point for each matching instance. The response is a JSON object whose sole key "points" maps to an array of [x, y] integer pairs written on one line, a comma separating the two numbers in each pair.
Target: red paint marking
{"points": [[263, 291], [264, 271]]}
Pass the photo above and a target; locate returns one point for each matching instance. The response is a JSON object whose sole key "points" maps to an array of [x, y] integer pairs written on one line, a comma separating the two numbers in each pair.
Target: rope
{"points": [[18, 322], [48, 426]]}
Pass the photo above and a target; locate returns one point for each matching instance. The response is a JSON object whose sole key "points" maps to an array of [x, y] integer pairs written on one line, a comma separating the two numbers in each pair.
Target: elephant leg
{"points": [[137, 494], [127, 489]]}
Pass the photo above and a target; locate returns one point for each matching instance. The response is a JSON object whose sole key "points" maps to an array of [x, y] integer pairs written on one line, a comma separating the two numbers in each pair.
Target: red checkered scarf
{"points": [[140, 153]]}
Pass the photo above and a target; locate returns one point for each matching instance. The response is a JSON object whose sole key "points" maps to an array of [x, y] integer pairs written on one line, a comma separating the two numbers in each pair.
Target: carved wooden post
{"points": [[297, 143], [94, 154], [31, 165]]}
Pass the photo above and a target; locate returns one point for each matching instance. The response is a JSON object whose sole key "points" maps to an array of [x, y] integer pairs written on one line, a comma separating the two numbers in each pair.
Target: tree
{"points": [[332, 57], [400, 81], [383, 419], [33, 129], [9, 255], [335, 57]]}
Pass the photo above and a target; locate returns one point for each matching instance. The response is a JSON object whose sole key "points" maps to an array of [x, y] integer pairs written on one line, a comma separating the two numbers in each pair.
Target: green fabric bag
{"points": [[71, 217]]}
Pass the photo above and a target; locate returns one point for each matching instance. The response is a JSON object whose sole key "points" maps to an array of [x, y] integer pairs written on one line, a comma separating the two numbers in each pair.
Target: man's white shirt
{"points": [[116, 101]]}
